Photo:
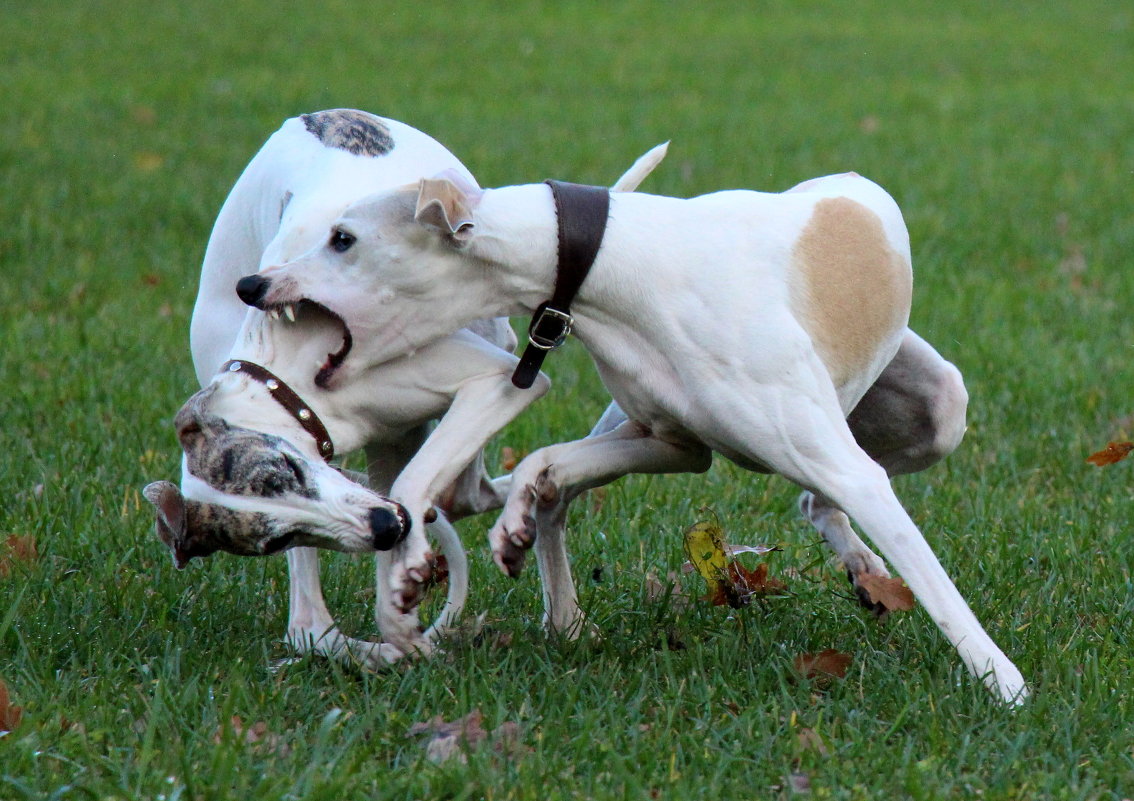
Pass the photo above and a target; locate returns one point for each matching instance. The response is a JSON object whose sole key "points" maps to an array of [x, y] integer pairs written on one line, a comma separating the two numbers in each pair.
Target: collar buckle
{"points": [[549, 328]]}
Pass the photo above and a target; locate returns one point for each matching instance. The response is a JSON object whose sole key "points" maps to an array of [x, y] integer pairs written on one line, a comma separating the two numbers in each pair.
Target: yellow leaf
{"points": [[704, 545]]}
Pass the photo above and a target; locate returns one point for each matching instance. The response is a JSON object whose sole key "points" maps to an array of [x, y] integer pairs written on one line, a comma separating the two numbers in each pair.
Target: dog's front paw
{"points": [[408, 583], [402, 632], [510, 539]]}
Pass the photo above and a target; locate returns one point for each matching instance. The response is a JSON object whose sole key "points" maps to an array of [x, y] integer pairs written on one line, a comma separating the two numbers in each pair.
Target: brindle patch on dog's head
{"points": [[238, 461], [195, 530], [356, 132]]}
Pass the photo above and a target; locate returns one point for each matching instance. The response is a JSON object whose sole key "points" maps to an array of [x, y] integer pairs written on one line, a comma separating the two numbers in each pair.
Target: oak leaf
{"points": [[889, 592], [1113, 452]]}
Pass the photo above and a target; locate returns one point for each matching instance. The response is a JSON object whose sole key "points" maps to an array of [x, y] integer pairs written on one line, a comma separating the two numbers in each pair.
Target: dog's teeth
{"points": [[274, 314], [289, 310]]}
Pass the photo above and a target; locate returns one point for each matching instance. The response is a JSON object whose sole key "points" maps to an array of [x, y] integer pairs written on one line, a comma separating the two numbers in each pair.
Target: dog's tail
{"points": [[640, 169], [458, 565]]}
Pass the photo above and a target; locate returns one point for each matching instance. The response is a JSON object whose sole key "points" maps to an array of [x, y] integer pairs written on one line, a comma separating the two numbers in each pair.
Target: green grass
{"points": [[1006, 131]]}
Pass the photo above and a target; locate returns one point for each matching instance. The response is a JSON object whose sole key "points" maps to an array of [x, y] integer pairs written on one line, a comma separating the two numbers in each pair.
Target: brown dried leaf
{"points": [[809, 740], [16, 549], [1113, 452], [891, 593], [825, 663], [800, 783], [509, 458], [756, 581], [456, 739], [440, 573], [9, 715], [256, 735]]}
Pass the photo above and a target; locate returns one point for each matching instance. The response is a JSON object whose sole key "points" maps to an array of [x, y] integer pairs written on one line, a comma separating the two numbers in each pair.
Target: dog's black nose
{"points": [[252, 288], [388, 527]]}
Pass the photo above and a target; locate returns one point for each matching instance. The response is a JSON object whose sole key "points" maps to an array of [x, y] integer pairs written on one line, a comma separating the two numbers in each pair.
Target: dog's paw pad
{"points": [[510, 559]]}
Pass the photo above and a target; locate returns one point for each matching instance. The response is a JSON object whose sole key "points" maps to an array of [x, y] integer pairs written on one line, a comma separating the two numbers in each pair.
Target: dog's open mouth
{"points": [[304, 306]]}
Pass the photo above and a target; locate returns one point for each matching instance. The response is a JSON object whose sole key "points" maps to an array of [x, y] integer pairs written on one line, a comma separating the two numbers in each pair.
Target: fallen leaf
{"points": [[16, 549], [440, 573], [509, 458], [755, 582], [256, 735], [704, 545], [1113, 452], [729, 583], [799, 783], [809, 740], [456, 739], [825, 663], [890, 592], [9, 715]]}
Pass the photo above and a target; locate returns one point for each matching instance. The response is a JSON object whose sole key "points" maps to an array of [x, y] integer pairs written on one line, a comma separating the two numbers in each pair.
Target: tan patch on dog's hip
{"points": [[851, 290]]}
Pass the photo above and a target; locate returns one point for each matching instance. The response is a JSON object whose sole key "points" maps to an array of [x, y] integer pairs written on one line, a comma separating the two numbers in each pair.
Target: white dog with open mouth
{"points": [[255, 479], [742, 323]]}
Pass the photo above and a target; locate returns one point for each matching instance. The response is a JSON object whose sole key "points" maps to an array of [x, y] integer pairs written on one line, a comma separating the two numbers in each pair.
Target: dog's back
{"points": [[830, 257]]}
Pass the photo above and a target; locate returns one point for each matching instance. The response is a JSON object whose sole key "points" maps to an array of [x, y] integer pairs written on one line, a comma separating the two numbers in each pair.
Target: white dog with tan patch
{"points": [[743, 323]]}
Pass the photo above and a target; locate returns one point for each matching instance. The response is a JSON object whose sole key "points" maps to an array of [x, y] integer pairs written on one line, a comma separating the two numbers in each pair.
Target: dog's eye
{"points": [[341, 240]]}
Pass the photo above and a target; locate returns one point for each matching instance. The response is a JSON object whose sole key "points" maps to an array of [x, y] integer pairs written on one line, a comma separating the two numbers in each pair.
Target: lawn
{"points": [[1005, 131]]}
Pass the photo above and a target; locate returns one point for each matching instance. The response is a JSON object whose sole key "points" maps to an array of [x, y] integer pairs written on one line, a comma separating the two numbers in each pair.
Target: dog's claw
{"points": [[524, 537]]}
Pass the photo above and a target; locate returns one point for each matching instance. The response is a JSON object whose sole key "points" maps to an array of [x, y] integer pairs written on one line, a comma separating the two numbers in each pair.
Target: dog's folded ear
{"points": [[446, 202], [172, 519], [193, 419]]}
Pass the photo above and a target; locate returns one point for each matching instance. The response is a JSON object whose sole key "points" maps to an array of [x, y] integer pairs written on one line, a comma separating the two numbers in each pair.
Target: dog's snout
{"points": [[388, 527], [252, 288]]}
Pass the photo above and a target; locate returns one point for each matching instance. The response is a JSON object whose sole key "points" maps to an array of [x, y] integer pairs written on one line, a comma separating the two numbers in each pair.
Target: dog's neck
{"points": [[517, 235], [294, 352]]}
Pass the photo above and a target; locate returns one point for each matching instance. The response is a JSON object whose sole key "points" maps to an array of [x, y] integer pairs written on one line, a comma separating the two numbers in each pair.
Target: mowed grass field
{"points": [[1005, 131]]}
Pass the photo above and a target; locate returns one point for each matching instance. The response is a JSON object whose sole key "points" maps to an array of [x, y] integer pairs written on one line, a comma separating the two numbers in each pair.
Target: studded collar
{"points": [[286, 397]]}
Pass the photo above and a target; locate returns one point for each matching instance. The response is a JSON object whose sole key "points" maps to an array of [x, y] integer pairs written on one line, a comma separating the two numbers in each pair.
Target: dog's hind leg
{"points": [[796, 428], [545, 483], [912, 417]]}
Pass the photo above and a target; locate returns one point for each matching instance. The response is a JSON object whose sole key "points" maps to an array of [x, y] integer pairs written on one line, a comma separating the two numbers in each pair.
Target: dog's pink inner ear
{"points": [[444, 205]]}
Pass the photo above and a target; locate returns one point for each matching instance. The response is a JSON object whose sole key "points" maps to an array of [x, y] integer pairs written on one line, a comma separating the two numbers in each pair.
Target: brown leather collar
{"points": [[285, 396], [581, 212]]}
